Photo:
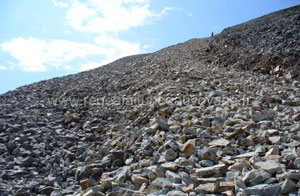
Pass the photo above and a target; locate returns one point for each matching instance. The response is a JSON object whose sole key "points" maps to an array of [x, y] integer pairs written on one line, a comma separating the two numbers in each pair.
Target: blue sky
{"points": [[42, 39]]}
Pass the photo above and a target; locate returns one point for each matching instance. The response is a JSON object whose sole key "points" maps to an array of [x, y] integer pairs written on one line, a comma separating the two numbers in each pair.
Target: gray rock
{"points": [[242, 193], [2, 148], [176, 193], [271, 181], [288, 186], [208, 171], [103, 187], [117, 155], [291, 174], [28, 162], [83, 172], [208, 187], [138, 179], [264, 190], [47, 191], [120, 191], [170, 155], [173, 177], [297, 162], [122, 175], [162, 125], [206, 163], [259, 176], [187, 180], [270, 166], [239, 184], [161, 183]]}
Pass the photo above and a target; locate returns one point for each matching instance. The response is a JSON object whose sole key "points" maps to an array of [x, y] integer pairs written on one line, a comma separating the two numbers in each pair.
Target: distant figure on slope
{"points": [[212, 34]]}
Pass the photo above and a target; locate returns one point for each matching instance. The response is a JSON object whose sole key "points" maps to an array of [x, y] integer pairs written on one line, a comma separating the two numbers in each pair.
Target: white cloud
{"points": [[104, 16], [90, 65], [2, 68], [59, 3], [115, 49], [68, 67], [37, 55]]}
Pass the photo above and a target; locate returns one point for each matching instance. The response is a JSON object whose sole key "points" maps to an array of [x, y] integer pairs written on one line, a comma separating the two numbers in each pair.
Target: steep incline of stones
{"points": [[269, 44], [167, 123]]}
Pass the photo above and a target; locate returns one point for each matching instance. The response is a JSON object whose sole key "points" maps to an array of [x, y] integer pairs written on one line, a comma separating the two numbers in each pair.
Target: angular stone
{"points": [[170, 155], [83, 172], [189, 188], [47, 190], [239, 166], [291, 102], [138, 179], [260, 150], [122, 175], [264, 189], [270, 166], [162, 125], [228, 193], [161, 183], [28, 162], [89, 193], [223, 186], [288, 186], [291, 174], [219, 142], [103, 187], [297, 162], [143, 187], [274, 139], [206, 163], [242, 193], [84, 184], [174, 128], [188, 148], [117, 155], [273, 131], [208, 171], [209, 155], [256, 176], [93, 192], [170, 166], [246, 155], [173, 177], [176, 193], [208, 187], [296, 117], [260, 177], [273, 151], [239, 184], [120, 191]]}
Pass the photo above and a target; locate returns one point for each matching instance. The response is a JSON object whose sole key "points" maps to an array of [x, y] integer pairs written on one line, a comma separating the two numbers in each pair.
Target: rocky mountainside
{"points": [[180, 121], [269, 44]]}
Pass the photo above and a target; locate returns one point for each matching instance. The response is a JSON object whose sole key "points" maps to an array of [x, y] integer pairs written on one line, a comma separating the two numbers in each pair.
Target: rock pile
{"points": [[167, 123], [269, 44]]}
